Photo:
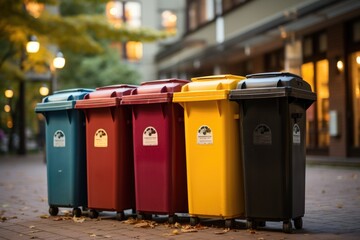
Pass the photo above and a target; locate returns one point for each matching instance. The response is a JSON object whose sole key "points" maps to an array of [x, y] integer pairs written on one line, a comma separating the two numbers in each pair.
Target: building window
{"points": [[315, 45], [356, 32], [228, 5], [169, 21], [120, 13], [275, 61], [199, 13]]}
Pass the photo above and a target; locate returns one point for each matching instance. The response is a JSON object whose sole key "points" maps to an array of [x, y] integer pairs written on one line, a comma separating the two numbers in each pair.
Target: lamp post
{"points": [[31, 47], [58, 63]]}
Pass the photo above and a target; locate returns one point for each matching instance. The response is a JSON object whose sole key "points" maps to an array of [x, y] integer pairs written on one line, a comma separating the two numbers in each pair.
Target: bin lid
{"points": [[107, 96], [62, 100], [273, 84], [156, 91], [206, 88]]}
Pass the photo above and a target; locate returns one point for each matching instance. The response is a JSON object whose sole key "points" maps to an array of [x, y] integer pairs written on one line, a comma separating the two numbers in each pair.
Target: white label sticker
{"points": [[150, 137], [100, 138], [296, 134], [262, 135], [59, 139], [204, 135]]}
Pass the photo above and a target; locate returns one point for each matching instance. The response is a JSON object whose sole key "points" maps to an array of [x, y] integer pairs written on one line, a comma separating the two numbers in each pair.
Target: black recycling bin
{"points": [[272, 129]]}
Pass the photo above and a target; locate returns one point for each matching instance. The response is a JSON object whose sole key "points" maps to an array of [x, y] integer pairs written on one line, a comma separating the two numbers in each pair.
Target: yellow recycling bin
{"points": [[214, 169]]}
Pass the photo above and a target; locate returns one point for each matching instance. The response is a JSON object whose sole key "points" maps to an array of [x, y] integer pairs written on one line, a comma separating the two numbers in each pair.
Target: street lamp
{"points": [[59, 60], [58, 63], [9, 93], [44, 90], [32, 45]]}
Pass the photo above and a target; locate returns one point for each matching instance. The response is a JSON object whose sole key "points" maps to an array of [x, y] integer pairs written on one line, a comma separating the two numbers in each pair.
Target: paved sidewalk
{"points": [[332, 210]]}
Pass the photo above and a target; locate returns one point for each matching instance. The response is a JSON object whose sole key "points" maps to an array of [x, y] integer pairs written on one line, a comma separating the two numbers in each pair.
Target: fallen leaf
{"points": [[93, 235], [188, 230], [107, 236], [223, 231], [31, 227], [78, 219], [145, 224], [45, 216], [130, 221], [175, 232], [177, 225]]}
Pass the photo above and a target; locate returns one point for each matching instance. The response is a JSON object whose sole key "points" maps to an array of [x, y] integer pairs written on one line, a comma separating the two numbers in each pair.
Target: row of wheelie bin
{"points": [[221, 146]]}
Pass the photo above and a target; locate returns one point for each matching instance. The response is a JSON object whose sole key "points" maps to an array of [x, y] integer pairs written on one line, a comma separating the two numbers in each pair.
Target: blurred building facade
{"points": [[317, 39]]}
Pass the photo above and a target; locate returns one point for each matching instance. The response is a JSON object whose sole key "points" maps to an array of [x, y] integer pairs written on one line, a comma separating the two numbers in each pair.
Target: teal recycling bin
{"points": [[65, 150]]}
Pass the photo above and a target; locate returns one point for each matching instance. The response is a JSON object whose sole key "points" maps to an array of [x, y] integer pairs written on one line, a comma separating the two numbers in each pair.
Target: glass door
{"points": [[317, 75], [355, 97]]}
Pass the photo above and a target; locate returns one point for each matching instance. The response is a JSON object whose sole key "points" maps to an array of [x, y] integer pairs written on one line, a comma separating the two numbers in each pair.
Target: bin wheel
{"points": [[287, 227], [93, 213], [251, 224], [298, 223], [76, 212], [194, 221], [229, 223], [143, 216], [120, 216], [261, 223], [53, 211], [173, 219]]}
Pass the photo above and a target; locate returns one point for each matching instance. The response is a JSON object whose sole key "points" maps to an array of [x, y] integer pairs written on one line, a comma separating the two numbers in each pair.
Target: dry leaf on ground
{"points": [[223, 231]]}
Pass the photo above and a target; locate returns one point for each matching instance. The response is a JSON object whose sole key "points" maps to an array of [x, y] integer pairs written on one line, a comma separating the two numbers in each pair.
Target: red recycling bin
{"points": [[159, 149], [110, 166]]}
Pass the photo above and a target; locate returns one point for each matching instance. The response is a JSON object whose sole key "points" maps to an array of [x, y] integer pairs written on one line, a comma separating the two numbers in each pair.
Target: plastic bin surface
{"points": [[159, 147], [273, 119], [110, 172], [65, 148], [214, 172]]}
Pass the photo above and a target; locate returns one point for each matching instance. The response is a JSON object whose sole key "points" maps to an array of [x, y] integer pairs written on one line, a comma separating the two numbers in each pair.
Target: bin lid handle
{"points": [[272, 74]]}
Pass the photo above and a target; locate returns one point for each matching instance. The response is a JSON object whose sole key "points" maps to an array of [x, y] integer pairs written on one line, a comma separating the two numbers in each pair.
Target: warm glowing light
{"points": [[32, 45], [134, 50], [9, 124], [59, 60], [9, 93], [340, 65], [44, 90], [358, 60], [7, 108], [34, 9]]}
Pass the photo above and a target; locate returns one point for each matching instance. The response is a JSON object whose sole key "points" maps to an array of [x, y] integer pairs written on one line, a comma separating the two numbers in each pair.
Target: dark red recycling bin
{"points": [[159, 149], [110, 166]]}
